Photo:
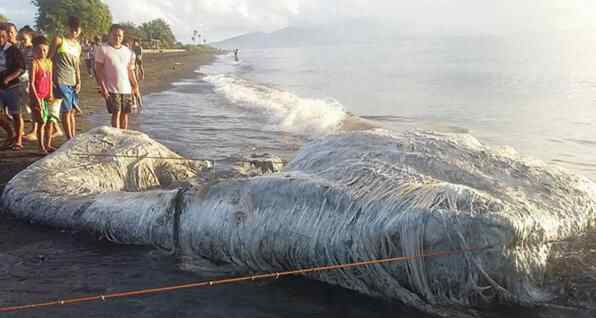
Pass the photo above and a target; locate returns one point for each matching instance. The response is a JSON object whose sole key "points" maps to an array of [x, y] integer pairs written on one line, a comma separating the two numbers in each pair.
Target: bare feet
{"points": [[58, 132], [30, 137]]}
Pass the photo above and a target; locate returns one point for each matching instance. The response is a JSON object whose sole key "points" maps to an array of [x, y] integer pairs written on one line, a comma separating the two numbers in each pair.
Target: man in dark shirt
{"points": [[4, 121], [137, 49], [12, 91]]}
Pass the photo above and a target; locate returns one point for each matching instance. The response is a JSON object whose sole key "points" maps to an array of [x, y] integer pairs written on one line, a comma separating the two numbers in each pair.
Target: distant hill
{"points": [[256, 39], [353, 31], [288, 37]]}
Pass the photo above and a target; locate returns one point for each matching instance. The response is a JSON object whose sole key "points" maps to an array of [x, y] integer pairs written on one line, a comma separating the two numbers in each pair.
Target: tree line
{"points": [[96, 20]]}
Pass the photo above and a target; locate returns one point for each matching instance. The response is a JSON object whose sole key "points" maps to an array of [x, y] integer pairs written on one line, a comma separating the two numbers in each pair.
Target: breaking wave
{"points": [[283, 109]]}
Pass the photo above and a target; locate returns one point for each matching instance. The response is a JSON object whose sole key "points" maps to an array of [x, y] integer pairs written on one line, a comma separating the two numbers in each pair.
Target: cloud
{"points": [[20, 12], [218, 19]]}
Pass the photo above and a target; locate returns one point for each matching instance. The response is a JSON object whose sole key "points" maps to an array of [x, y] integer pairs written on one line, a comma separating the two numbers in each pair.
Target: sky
{"points": [[220, 19]]}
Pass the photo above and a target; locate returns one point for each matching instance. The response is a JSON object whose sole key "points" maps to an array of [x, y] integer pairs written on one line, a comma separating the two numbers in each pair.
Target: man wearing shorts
{"points": [[4, 121], [66, 54], [115, 67], [12, 91]]}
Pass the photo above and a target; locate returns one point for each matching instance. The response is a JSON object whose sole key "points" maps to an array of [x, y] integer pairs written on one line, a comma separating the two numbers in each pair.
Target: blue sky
{"points": [[219, 19]]}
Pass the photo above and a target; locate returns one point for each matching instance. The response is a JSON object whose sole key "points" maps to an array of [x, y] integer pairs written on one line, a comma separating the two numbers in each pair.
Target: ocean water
{"points": [[534, 93]]}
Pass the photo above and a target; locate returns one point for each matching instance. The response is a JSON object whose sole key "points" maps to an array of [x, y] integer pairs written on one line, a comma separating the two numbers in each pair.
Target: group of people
{"points": [[46, 77]]}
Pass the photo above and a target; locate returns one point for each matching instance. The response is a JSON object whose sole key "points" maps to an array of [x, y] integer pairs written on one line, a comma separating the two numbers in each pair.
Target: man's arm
{"points": [[52, 81], [133, 79], [99, 76], [141, 65], [19, 60], [54, 47], [32, 79], [99, 72], [78, 76], [12, 76]]}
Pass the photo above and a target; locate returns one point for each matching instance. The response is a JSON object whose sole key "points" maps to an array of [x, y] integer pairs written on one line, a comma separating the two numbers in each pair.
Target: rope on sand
{"points": [[235, 280]]}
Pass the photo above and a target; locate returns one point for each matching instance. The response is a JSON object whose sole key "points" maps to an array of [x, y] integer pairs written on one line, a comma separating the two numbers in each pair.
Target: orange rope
{"points": [[231, 280]]}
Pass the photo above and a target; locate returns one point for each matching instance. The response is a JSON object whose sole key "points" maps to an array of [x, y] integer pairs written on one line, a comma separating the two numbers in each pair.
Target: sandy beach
{"points": [[21, 240], [161, 70]]}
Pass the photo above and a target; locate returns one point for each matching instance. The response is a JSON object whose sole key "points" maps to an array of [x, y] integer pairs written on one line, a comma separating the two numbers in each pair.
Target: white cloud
{"points": [[218, 19]]}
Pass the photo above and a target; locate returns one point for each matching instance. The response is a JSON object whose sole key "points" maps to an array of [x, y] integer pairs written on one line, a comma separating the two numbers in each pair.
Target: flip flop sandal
{"points": [[17, 148]]}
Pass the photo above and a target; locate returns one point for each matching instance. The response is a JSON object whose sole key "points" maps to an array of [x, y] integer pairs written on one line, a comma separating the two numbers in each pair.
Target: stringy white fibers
{"points": [[344, 198]]}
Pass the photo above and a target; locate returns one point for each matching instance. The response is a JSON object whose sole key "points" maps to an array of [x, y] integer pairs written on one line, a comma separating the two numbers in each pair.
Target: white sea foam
{"points": [[287, 111]]}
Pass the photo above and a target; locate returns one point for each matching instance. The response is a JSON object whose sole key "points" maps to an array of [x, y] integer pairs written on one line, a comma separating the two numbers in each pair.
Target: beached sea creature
{"points": [[347, 197]]}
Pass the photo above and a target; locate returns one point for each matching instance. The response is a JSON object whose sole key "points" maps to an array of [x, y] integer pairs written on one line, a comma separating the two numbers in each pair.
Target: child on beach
{"points": [[26, 45], [25, 38], [40, 91]]}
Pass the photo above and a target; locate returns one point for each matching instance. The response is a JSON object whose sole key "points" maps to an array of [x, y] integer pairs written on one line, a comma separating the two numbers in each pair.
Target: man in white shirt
{"points": [[115, 67]]}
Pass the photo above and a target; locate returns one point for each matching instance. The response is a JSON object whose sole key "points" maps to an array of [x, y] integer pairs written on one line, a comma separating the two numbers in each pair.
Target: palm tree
{"points": [[194, 36]]}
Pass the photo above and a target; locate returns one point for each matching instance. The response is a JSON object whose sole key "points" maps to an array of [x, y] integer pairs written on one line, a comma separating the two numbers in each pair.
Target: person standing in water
{"points": [[115, 68], [66, 55]]}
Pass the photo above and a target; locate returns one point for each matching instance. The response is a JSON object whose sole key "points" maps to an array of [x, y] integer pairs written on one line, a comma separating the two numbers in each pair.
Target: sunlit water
{"points": [[536, 94]]}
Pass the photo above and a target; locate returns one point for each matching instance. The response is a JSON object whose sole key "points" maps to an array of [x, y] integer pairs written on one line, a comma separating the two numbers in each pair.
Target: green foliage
{"points": [[96, 19], [3, 19], [158, 29], [52, 16], [131, 31], [200, 48]]}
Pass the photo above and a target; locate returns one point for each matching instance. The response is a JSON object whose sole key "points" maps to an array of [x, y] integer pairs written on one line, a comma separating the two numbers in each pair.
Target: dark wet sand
{"points": [[40, 264]]}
